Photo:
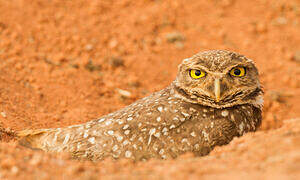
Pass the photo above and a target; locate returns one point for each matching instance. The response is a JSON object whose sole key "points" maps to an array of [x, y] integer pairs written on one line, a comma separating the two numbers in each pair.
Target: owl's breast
{"points": [[208, 127]]}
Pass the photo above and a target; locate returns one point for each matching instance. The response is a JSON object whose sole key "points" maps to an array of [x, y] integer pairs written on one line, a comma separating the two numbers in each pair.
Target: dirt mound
{"points": [[67, 62]]}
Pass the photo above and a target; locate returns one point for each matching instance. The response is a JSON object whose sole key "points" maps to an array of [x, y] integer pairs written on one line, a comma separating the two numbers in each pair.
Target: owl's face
{"points": [[219, 79]]}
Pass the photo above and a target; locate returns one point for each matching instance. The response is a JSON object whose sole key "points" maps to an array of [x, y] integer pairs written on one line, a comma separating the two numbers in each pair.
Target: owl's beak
{"points": [[217, 89]]}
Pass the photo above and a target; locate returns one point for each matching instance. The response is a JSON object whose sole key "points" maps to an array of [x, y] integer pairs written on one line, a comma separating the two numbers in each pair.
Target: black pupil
{"points": [[237, 72], [198, 73]]}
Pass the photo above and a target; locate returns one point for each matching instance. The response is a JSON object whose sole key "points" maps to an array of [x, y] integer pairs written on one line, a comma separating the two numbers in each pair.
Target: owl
{"points": [[215, 97]]}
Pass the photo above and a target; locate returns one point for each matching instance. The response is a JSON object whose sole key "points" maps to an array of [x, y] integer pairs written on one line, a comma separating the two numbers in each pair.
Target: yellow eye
{"points": [[238, 71], [196, 74]]}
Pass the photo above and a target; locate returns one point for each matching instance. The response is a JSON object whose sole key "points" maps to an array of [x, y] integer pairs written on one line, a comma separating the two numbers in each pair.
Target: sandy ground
{"points": [[64, 62]]}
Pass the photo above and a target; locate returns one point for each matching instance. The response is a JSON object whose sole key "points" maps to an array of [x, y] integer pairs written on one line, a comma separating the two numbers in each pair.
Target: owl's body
{"points": [[167, 123]]}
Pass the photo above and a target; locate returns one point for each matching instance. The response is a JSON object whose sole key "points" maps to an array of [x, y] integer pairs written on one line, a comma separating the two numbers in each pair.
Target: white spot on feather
{"points": [[197, 146], [193, 134], [211, 124], [92, 140], [241, 128], [158, 119], [120, 138], [161, 151], [160, 109], [85, 135], [125, 142], [141, 139], [115, 148], [110, 132], [151, 132], [101, 120], [55, 137], [127, 132], [67, 137], [185, 114], [192, 109], [172, 126], [205, 135], [157, 134], [107, 123], [184, 140], [128, 154]]}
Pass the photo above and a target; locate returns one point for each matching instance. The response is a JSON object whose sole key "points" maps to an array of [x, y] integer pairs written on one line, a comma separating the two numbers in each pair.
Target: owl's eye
{"points": [[238, 71], [196, 74]]}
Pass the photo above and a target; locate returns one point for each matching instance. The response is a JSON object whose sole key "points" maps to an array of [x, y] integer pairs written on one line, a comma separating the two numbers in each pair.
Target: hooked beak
{"points": [[217, 89]]}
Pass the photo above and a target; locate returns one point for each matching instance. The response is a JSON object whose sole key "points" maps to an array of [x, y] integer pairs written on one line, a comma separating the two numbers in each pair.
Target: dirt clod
{"points": [[90, 66], [175, 37], [296, 56], [115, 61]]}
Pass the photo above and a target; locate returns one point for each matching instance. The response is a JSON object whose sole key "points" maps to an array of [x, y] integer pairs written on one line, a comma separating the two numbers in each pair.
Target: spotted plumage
{"points": [[190, 115]]}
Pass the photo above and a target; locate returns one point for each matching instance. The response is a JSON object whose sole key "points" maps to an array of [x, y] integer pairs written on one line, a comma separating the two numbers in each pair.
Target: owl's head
{"points": [[219, 79]]}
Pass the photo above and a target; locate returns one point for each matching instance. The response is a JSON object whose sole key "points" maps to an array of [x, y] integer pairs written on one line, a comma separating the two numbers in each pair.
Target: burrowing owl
{"points": [[215, 97]]}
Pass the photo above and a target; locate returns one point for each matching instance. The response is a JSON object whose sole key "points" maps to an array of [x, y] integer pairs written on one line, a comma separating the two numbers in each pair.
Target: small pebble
{"points": [[3, 114], [124, 93], [280, 21], [116, 61]]}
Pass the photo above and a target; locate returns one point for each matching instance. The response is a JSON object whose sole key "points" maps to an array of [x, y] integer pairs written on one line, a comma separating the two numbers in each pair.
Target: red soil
{"points": [[63, 63]]}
